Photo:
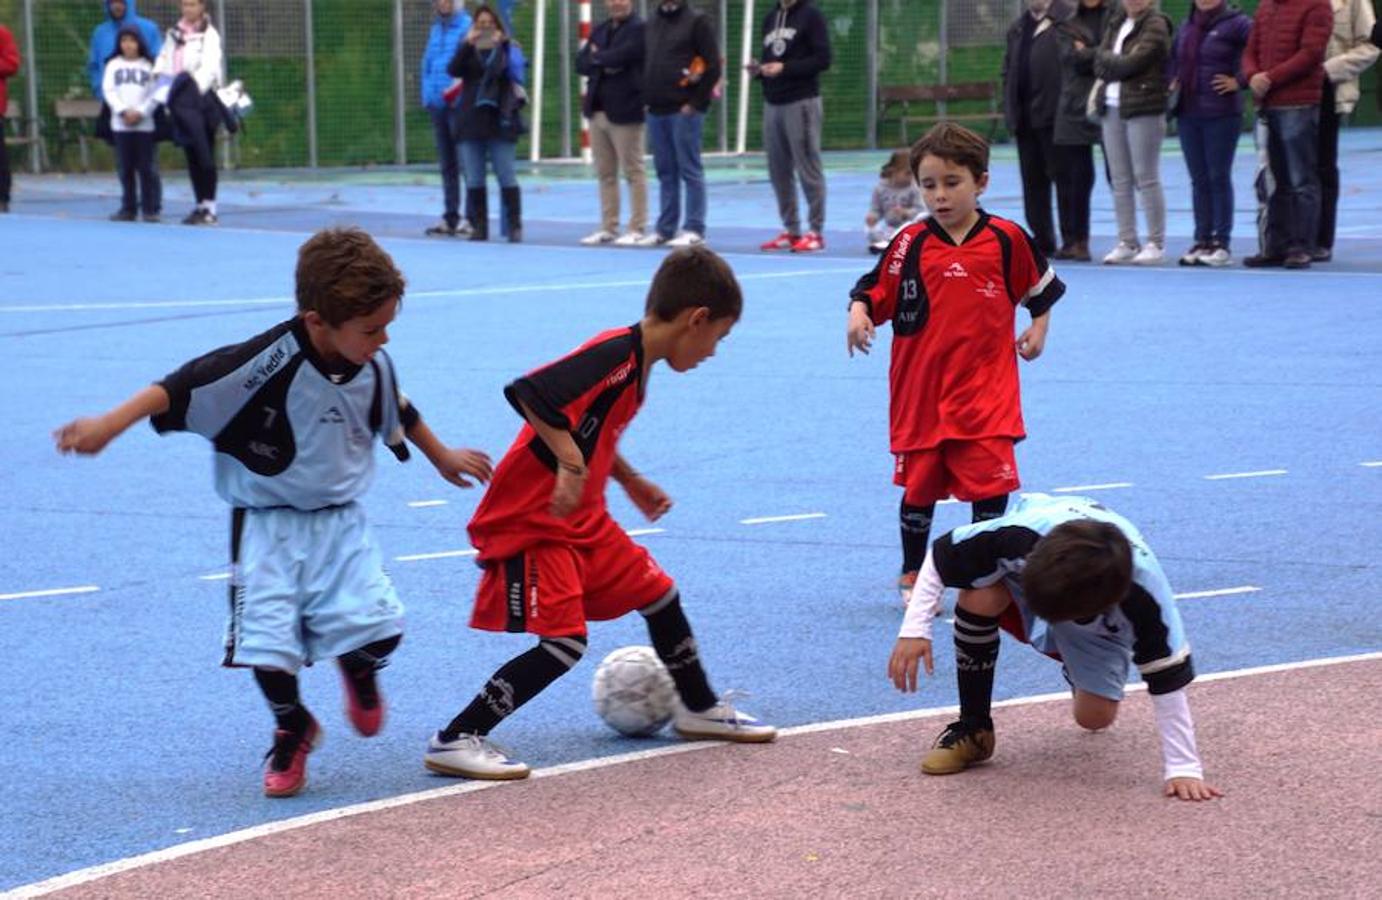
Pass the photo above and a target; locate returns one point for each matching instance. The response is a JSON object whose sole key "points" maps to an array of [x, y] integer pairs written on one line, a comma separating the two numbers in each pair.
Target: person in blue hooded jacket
{"points": [[119, 13], [449, 27]]}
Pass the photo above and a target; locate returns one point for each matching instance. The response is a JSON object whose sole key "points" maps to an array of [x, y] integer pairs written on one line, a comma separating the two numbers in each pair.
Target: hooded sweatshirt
{"points": [[797, 37], [129, 84], [103, 42]]}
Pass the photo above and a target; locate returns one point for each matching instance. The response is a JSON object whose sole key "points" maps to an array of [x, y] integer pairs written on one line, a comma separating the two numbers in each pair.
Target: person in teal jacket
{"points": [[119, 13], [448, 28]]}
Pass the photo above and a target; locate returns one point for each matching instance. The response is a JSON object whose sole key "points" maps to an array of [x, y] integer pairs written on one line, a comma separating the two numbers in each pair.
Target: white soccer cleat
{"points": [[1123, 253], [596, 238], [472, 756], [722, 722]]}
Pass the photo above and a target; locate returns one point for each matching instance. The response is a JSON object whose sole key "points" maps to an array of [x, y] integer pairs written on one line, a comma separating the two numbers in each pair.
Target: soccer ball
{"points": [[633, 692]]}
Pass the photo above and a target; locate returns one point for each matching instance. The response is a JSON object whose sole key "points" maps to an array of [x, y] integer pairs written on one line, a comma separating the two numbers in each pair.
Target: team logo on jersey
{"points": [[899, 254], [619, 375], [332, 416], [259, 448], [989, 289], [956, 270], [270, 365]]}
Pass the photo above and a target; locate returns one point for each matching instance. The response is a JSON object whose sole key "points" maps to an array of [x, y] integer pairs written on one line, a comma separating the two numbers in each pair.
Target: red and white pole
{"points": [[586, 155]]}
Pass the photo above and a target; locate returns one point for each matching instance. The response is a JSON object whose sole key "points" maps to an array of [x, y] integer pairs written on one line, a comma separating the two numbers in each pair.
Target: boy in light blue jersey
{"points": [[1077, 582], [293, 414]]}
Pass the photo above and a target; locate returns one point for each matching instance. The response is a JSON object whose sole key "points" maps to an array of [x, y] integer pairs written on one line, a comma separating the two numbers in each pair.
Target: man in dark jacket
{"points": [[1075, 136], [612, 60], [796, 50], [680, 71], [1283, 64], [1031, 97]]}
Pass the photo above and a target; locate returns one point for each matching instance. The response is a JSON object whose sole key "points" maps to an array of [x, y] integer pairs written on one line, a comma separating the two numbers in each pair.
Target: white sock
{"points": [[209, 206]]}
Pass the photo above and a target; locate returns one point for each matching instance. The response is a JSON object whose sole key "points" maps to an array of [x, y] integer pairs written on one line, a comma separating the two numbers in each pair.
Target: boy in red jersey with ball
{"points": [[553, 556], [950, 285]]}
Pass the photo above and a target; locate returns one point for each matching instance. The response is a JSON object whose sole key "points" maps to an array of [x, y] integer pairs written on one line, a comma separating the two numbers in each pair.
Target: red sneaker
{"points": [[286, 772], [364, 704], [810, 242], [784, 241]]}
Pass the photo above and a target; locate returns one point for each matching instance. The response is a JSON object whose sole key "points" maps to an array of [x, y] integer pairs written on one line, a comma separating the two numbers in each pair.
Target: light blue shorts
{"points": [[306, 586], [1097, 655]]}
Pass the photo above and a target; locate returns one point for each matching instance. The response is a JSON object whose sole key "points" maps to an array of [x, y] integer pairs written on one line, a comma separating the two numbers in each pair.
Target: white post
{"points": [[400, 126], [741, 142], [586, 155], [311, 61], [539, 48], [31, 91]]}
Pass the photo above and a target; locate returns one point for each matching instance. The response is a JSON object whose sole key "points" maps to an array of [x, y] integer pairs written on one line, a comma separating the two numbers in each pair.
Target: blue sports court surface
{"points": [[1234, 415]]}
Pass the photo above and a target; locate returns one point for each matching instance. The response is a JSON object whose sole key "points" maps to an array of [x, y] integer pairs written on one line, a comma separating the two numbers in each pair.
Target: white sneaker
{"points": [[629, 239], [653, 239], [722, 722], [472, 756], [687, 239], [1150, 255], [1123, 253], [595, 238], [464, 228], [1193, 256], [1218, 257]]}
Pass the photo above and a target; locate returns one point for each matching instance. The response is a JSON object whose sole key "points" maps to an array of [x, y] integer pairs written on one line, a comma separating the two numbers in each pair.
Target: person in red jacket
{"points": [[1283, 65], [9, 65]]}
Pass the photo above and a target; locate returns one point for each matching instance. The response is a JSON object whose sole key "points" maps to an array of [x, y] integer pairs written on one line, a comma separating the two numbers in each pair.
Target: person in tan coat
{"points": [[1349, 54]]}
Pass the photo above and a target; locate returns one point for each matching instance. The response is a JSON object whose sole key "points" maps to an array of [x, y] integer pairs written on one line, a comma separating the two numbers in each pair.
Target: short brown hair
{"points": [[898, 162], [1078, 570], [692, 277], [955, 144], [343, 274]]}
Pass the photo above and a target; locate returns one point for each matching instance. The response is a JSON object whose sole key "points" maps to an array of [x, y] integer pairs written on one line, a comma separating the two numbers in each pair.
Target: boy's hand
{"points": [[860, 333], [871, 219], [457, 462], [566, 495], [85, 436], [902, 665], [132, 116], [651, 500], [1032, 341], [1191, 789]]}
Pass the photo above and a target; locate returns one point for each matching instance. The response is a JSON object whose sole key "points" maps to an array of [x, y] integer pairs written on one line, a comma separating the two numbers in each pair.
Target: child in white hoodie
{"points": [[128, 87]]}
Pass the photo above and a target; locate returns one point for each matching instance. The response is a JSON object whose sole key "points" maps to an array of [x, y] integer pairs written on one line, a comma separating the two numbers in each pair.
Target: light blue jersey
{"points": [[1144, 628], [289, 428]]}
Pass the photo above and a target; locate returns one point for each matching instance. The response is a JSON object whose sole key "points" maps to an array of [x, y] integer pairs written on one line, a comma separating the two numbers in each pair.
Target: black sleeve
{"points": [[1162, 666], [980, 556], [208, 369], [819, 60], [464, 53], [627, 52], [708, 50], [548, 391]]}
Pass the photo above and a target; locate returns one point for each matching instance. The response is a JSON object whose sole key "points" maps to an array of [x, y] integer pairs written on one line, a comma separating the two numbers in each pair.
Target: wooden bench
{"points": [[896, 102], [23, 131], [77, 119]]}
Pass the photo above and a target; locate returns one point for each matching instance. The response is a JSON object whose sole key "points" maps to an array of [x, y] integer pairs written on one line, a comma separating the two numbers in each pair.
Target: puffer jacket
{"points": [[1086, 25], [442, 40], [1288, 43], [1220, 53], [1141, 68], [1350, 51]]}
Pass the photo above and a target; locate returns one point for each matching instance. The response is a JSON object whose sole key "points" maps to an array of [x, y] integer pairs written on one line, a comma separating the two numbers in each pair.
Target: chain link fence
{"points": [[336, 82]]}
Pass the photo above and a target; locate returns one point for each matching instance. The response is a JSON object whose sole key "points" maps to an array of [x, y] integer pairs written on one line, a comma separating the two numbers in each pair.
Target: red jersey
{"points": [[594, 392], [953, 374]]}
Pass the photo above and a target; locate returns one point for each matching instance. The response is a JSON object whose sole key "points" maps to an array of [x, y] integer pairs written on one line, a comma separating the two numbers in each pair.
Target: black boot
{"points": [[513, 213], [477, 211]]}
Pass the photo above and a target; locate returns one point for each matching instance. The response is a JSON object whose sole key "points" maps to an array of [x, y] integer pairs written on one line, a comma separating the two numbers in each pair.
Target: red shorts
{"points": [[552, 590], [965, 470]]}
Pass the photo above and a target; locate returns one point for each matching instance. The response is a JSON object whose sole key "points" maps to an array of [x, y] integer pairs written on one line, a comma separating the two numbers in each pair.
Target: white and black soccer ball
{"points": [[633, 692]]}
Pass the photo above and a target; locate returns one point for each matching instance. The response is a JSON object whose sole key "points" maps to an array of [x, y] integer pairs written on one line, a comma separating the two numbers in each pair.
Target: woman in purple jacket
{"points": [[1206, 68]]}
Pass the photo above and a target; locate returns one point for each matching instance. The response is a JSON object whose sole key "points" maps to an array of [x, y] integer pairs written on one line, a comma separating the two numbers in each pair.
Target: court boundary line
{"points": [[267, 829]]}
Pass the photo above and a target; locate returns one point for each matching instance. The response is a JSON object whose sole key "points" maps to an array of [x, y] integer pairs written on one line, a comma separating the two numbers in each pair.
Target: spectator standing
{"points": [[796, 50], [1031, 97], [1349, 54], [1206, 68], [190, 65], [449, 25], [1283, 64], [119, 14], [1132, 61], [1074, 135], [612, 60], [128, 87], [681, 69], [492, 69], [9, 65]]}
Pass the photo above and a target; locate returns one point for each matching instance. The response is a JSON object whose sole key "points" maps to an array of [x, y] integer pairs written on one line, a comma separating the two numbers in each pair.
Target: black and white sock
{"points": [[916, 533], [976, 655], [676, 647], [517, 681], [989, 508], [281, 690]]}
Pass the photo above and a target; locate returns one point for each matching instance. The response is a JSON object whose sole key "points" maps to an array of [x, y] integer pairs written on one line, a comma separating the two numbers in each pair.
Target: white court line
{"points": [[640, 532], [94, 873], [51, 592], [1093, 487], [764, 520], [1372, 465], [424, 504], [215, 576], [1262, 474], [1221, 592], [443, 554], [552, 287]]}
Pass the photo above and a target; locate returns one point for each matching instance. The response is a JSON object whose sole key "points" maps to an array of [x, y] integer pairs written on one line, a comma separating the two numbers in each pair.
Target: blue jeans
{"points": [[1293, 213], [1208, 146], [676, 140], [500, 155], [448, 157]]}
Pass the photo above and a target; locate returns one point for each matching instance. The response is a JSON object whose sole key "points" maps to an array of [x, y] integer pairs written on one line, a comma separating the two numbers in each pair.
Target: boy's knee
{"points": [[986, 601], [1094, 713]]}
